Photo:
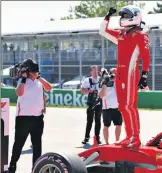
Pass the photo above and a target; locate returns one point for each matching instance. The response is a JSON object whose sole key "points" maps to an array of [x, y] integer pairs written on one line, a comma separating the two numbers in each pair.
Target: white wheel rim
{"points": [[50, 168]]}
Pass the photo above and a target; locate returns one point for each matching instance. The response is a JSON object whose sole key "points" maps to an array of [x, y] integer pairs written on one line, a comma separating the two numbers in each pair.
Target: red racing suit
{"points": [[131, 47]]}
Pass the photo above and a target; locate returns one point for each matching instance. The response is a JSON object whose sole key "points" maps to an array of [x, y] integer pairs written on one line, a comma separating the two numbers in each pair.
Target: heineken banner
{"points": [[75, 98], [66, 97]]}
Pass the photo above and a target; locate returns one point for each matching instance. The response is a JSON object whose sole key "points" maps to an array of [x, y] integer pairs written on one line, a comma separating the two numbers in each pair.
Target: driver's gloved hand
{"points": [[143, 81], [112, 10]]}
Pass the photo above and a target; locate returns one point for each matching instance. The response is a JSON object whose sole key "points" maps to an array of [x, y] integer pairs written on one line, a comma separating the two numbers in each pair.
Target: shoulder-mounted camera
{"points": [[27, 66], [106, 78]]}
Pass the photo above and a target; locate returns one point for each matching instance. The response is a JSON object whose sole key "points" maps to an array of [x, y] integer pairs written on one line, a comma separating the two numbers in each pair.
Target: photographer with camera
{"points": [[30, 109], [110, 104], [90, 87]]}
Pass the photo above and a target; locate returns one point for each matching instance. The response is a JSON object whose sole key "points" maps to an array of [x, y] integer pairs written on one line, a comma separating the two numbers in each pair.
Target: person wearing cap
{"points": [[29, 111]]}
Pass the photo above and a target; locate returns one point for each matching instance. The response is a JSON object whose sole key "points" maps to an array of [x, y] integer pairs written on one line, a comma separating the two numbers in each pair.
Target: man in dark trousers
{"points": [[90, 87], [29, 114]]}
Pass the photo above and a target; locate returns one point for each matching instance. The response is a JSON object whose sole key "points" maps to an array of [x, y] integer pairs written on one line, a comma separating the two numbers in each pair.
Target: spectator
{"points": [[110, 107], [30, 112], [11, 47], [5, 48], [71, 48], [90, 87]]}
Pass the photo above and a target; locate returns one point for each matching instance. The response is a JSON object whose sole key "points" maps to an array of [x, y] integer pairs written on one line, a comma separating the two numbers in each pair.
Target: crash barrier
{"points": [[149, 99], [4, 134]]}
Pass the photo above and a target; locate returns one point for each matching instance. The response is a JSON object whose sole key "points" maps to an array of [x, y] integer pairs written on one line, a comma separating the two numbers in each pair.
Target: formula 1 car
{"points": [[105, 159]]}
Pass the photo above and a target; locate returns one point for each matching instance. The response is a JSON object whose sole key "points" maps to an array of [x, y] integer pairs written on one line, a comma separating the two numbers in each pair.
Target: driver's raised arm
{"points": [[110, 34]]}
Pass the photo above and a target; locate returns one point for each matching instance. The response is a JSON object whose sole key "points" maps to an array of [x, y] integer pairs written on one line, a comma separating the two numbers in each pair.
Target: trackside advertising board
{"points": [[66, 97], [151, 99]]}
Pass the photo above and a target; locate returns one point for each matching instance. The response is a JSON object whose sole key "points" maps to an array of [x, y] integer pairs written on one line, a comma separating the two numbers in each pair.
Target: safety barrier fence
{"points": [[149, 99]]}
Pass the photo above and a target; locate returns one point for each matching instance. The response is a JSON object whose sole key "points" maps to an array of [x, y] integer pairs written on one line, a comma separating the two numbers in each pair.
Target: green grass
{"points": [[61, 106]]}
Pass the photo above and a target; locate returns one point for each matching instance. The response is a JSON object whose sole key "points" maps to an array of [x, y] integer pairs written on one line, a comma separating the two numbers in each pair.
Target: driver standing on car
{"points": [[133, 44], [90, 87]]}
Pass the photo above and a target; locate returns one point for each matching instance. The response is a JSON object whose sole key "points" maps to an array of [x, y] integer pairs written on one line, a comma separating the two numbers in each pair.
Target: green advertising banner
{"points": [[55, 97], [151, 100], [66, 98], [9, 93]]}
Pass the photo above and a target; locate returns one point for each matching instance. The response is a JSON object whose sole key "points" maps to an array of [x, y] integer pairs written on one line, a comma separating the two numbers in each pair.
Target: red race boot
{"points": [[130, 142]]}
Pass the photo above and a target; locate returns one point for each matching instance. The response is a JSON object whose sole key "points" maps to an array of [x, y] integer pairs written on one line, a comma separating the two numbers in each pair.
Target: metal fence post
{"points": [[103, 48], [80, 60], [1, 61], [39, 56], [59, 61], [153, 65], [19, 42]]}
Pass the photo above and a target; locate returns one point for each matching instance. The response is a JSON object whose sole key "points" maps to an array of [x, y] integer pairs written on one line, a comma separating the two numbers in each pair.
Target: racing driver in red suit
{"points": [[132, 44]]}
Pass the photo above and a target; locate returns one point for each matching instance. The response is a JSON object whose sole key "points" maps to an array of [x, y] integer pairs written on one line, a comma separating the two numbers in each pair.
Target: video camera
{"points": [[27, 66], [106, 78]]}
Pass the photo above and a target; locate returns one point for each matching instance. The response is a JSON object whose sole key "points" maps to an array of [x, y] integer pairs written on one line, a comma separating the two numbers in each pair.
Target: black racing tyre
{"points": [[59, 163]]}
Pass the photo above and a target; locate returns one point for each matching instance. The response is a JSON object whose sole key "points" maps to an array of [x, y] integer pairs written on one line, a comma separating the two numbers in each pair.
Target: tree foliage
{"points": [[156, 10], [91, 9], [44, 45]]}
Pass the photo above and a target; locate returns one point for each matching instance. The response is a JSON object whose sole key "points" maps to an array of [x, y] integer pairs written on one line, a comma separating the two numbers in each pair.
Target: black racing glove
{"points": [[143, 81], [112, 10]]}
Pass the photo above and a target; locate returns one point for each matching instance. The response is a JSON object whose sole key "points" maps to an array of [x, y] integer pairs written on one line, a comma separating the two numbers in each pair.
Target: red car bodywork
{"points": [[149, 157]]}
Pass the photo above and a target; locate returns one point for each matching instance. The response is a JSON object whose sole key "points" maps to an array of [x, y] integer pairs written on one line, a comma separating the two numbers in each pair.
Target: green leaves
{"points": [[91, 9]]}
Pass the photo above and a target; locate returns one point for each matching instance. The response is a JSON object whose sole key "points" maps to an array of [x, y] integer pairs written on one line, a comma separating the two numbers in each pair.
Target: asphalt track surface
{"points": [[64, 130]]}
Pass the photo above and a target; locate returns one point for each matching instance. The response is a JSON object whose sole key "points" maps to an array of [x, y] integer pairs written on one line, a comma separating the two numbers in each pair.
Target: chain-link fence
{"points": [[68, 57]]}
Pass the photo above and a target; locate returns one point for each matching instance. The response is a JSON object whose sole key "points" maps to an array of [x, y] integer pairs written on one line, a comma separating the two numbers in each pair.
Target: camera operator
{"points": [[30, 110], [110, 104], [44, 110], [90, 87]]}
